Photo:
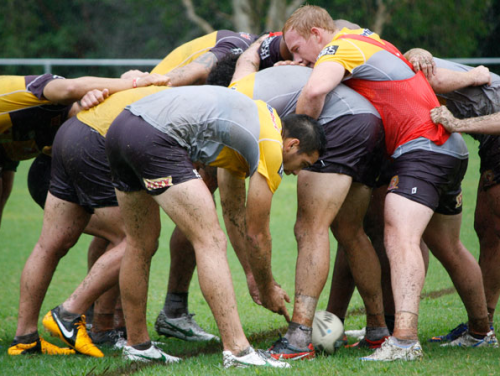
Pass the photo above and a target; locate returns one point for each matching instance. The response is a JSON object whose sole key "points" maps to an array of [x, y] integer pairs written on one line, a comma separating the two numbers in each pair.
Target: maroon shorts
{"points": [[431, 179], [142, 157], [355, 147], [80, 170]]}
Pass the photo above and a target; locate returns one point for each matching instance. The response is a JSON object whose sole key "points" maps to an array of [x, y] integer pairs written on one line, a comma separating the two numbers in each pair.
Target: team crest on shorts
{"points": [[152, 184], [459, 201], [394, 183]]}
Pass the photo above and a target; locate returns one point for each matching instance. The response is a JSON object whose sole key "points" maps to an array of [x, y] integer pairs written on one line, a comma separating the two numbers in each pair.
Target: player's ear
{"points": [[291, 143]]}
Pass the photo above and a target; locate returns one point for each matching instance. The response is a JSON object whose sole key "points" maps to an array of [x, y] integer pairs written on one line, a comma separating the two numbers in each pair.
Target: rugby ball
{"points": [[327, 329]]}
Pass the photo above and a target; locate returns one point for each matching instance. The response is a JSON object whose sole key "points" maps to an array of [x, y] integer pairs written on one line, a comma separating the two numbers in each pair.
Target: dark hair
{"points": [[307, 130], [222, 73]]}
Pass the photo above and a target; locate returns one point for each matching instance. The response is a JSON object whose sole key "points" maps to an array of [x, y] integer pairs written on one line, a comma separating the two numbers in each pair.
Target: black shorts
{"points": [[355, 147], [386, 172], [490, 164], [7, 164], [39, 178], [142, 157], [80, 169], [431, 179]]}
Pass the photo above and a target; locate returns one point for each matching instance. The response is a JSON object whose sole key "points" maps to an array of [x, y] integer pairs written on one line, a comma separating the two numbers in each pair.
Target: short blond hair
{"points": [[307, 17]]}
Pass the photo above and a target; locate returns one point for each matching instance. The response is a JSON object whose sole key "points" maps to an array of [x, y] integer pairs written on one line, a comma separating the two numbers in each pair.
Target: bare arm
{"points": [[324, 78], [489, 124], [195, 73], [248, 230], [444, 80], [71, 90], [249, 61], [233, 195], [260, 245]]}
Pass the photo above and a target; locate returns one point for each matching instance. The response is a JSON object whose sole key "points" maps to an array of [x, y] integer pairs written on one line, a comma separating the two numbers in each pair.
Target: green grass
{"points": [[20, 230]]}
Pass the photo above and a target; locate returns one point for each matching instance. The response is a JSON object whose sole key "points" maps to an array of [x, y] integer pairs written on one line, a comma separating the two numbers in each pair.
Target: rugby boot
{"points": [[184, 327], [74, 333], [390, 351], [40, 346], [282, 350], [251, 358]]}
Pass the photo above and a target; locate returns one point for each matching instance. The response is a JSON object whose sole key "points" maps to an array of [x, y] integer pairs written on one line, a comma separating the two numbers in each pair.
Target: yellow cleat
{"points": [[74, 333], [40, 346]]}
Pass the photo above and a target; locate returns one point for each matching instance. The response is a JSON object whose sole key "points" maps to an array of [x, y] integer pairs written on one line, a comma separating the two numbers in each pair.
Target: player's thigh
{"points": [[63, 223], [405, 220], [320, 196], [487, 214], [353, 210], [141, 218], [191, 206]]}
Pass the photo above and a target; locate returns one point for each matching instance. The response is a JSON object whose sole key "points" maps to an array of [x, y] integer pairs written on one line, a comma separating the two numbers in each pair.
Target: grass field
{"points": [[440, 309]]}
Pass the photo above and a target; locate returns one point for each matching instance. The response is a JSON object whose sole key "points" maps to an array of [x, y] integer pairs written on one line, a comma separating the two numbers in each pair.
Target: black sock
{"points": [[389, 321], [66, 315], [27, 338], [142, 346], [299, 335], [176, 304]]}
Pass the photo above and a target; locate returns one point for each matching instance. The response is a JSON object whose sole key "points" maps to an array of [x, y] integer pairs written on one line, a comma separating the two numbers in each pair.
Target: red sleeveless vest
{"points": [[404, 105]]}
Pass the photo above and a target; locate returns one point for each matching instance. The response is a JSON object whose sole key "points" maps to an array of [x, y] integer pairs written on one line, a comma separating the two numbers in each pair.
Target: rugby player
{"points": [[240, 137], [418, 194], [355, 142], [478, 107], [54, 242]]}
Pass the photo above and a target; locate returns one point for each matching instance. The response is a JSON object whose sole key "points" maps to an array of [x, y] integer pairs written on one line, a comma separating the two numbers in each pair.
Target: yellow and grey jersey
{"points": [[281, 86], [101, 116], [364, 60], [220, 43], [219, 127], [28, 121]]}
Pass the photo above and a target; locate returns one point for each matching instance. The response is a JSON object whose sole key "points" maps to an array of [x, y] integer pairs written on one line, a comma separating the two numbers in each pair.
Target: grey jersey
{"points": [[281, 86], [472, 101], [204, 119]]}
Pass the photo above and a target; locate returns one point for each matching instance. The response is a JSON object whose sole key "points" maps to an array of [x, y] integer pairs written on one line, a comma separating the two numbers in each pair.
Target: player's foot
{"points": [[452, 335], [40, 346], [390, 351], [114, 338], [251, 358], [365, 343], [343, 342], [281, 349], [74, 333], [153, 354], [184, 328], [466, 340], [358, 334]]}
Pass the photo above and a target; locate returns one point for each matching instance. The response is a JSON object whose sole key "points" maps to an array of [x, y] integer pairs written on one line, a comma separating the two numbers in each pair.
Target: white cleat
{"points": [[259, 358], [153, 354], [184, 328], [466, 340], [358, 334], [390, 351]]}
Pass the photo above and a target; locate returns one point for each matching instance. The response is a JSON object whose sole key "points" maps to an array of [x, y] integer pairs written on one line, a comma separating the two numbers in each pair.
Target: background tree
{"points": [[151, 29]]}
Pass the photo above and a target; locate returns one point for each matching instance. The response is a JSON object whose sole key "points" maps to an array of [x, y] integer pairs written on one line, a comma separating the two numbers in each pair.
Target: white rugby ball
{"points": [[327, 329]]}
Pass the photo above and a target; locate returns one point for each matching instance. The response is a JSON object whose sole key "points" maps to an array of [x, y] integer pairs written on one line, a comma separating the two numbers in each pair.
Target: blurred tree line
{"points": [[152, 28]]}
